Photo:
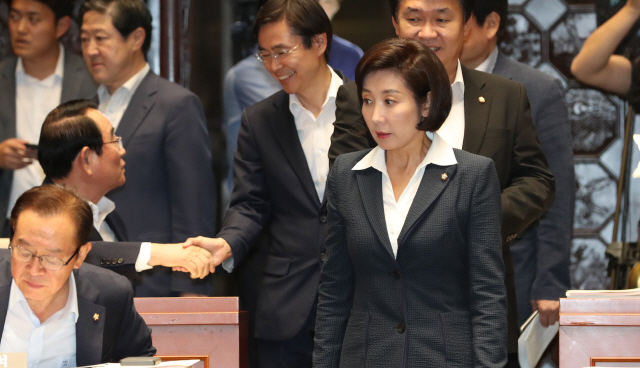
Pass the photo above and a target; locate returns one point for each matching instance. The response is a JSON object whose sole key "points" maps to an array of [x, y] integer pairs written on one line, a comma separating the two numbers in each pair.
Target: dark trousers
{"points": [[293, 353]]}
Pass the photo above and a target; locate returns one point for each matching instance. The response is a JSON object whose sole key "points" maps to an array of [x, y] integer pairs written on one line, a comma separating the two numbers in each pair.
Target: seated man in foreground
{"points": [[78, 150], [62, 314]]}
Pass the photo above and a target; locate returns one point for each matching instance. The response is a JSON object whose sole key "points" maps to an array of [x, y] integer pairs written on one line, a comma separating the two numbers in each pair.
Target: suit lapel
{"points": [[476, 113], [284, 130], [430, 188], [139, 106], [89, 332], [8, 99], [70, 83], [370, 185]]}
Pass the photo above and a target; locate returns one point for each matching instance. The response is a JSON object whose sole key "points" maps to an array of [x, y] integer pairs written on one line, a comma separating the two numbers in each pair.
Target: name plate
{"points": [[13, 360]]}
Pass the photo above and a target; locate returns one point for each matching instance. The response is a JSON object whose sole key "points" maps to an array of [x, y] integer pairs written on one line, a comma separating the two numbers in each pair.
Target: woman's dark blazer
{"points": [[441, 302]]}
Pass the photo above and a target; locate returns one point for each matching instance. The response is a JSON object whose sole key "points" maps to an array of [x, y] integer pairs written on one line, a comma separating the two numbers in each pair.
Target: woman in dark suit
{"points": [[413, 275]]}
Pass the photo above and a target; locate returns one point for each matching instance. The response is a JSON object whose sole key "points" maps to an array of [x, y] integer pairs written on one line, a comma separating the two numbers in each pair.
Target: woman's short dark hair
{"points": [[52, 200], [65, 131], [306, 18], [421, 71], [126, 15]]}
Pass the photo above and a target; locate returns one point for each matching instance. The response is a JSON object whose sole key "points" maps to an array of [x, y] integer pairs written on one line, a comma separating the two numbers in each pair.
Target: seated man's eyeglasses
{"points": [[117, 141], [48, 262], [263, 55]]}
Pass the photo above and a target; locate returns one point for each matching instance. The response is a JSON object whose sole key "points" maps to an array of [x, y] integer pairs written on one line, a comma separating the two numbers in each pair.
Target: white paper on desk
{"points": [[533, 341], [166, 364]]}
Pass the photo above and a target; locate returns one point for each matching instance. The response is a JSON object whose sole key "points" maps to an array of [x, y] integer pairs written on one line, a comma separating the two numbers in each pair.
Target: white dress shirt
{"points": [[452, 130], [489, 63], [395, 212], [100, 212], [50, 344], [114, 106], [315, 133], [34, 100]]}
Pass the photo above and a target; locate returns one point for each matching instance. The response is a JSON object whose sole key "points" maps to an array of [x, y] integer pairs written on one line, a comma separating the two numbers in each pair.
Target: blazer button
{"points": [[322, 256], [323, 219], [102, 262], [401, 327], [120, 260], [395, 274]]}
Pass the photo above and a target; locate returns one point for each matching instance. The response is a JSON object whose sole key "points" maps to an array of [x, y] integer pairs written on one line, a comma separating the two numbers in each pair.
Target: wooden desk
{"points": [[213, 330], [599, 332]]}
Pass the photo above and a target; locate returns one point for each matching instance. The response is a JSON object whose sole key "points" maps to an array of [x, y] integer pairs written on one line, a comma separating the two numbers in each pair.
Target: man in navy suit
{"points": [[60, 312], [170, 192], [540, 254], [40, 76], [280, 171], [79, 150]]}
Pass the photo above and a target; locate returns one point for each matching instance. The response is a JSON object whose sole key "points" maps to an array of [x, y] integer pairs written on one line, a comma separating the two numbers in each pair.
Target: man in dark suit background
{"points": [[60, 312], [490, 116], [541, 254], [79, 150], [170, 192], [280, 171], [41, 76]]}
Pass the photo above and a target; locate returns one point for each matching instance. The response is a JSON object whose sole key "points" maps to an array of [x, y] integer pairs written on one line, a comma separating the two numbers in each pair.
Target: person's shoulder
{"points": [[488, 79], [108, 283], [8, 66], [531, 77], [471, 162], [278, 100], [347, 161], [166, 87]]}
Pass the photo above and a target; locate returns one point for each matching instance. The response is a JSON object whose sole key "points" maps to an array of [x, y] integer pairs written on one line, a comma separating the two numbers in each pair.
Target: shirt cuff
{"points": [[228, 264], [142, 262]]}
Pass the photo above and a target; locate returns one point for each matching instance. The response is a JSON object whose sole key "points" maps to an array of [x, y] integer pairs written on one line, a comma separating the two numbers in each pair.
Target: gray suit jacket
{"points": [[170, 192], [119, 332], [442, 301], [541, 254], [77, 83]]}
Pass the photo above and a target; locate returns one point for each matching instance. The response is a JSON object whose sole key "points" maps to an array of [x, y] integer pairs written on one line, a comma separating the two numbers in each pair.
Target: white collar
{"points": [[101, 210], [131, 85], [334, 85], [458, 81], [16, 296], [440, 153], [489, 64], [58, 72]]}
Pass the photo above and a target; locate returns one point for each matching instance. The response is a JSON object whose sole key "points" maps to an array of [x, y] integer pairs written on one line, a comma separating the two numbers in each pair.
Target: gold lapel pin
{"points": [[481, 99], [96, 317], [444, 176]]}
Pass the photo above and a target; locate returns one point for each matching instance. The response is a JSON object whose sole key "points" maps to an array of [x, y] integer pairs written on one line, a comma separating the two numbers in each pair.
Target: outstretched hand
{"points": [[218, 247], [194, 260]]}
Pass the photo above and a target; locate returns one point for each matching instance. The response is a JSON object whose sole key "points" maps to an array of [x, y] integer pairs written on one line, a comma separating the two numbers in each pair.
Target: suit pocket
{"points": [[458, 340], [354, 344], [277, 266]]}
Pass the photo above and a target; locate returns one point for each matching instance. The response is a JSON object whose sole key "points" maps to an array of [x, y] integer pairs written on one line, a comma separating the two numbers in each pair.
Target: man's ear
{"points": [[320, 40], [467, 26], [84, 160], [395, 25], [82, 255], [491, 25], [62, 26], [137, 37]]}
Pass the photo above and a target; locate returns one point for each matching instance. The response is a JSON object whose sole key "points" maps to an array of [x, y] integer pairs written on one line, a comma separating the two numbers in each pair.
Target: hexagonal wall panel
{"points": [[594, 120], [595, 197], [517, 2], [521, 40], [588, 264], [545, 12], [567, 39]]}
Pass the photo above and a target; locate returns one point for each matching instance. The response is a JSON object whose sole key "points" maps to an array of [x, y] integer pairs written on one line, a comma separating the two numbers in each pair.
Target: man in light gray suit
{"points": [[40, 77], [541, 254], [170, 191]]}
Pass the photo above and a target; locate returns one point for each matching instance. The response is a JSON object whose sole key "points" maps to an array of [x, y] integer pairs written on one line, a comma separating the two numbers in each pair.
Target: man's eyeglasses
{"points": [[263, 55], [117, 141], [49, 262]]}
